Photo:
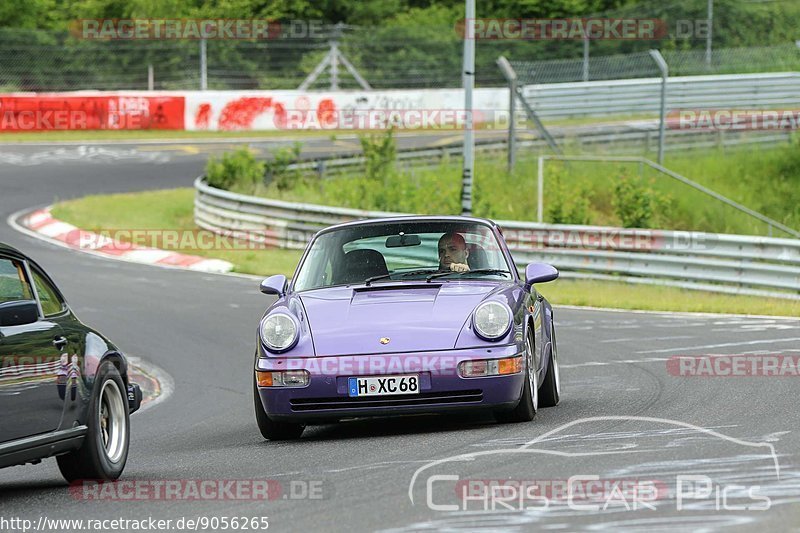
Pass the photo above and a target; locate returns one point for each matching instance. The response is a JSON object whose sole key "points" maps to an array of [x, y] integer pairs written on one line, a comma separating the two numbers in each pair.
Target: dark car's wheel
{"points": [[550, 393], [104, 450], [525, 411], [270, 429]]}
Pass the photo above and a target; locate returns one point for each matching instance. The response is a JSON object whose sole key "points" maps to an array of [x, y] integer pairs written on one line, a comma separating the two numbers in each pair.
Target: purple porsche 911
{"points": [[404, 315]]}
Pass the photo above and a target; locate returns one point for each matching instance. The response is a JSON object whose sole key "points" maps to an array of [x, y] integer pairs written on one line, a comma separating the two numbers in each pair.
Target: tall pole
{"points": [[334, 55], [662, 66], [512, 124], [710, 18], [511, 77], [203, 66], [468, 77], [586, 56]]}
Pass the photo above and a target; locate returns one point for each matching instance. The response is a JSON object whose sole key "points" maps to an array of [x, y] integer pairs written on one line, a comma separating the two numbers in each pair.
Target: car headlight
{"points": [[491, 320], [279, 332]]}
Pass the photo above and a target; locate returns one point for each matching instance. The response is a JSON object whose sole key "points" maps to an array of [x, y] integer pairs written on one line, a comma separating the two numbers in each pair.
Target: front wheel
{"points": [[525, 411], [270, 429], [104, 451]]}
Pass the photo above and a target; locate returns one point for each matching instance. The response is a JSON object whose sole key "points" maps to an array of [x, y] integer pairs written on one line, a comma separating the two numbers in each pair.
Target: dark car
{"points": [[64, 388], [405, 315]]}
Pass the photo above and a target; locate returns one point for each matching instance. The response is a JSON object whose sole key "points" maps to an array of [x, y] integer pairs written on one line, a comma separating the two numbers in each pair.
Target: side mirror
{"points": [[19, 313], [539, 273], [275, 285]]}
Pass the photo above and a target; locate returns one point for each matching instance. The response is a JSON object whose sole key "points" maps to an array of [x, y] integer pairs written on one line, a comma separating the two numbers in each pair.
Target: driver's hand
{"points": [[459, 267]]}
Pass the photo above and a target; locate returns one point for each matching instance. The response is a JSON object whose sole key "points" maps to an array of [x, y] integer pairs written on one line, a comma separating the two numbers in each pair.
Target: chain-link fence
{"points": [[738, 37], [783, 58]]}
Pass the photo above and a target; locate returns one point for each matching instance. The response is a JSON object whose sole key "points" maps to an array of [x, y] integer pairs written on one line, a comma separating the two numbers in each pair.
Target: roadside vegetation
{"points": [[766, 179], [413, 40]]}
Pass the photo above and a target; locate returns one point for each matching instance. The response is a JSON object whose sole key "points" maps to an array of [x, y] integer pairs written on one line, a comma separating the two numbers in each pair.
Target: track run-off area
{"points": [[655, 444]]}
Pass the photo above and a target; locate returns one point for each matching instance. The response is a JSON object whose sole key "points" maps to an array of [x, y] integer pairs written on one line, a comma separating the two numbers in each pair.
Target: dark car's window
{"points": [[52, 304], [14, 284], [355, 253]]}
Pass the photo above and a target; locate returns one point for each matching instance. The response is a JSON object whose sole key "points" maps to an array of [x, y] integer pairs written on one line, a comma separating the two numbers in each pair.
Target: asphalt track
{"points": [[622, 417]]}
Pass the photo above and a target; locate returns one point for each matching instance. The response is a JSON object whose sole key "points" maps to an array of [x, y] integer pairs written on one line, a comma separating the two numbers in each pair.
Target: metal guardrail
{"points": [[615, 139], [779, 90], [741, 264]]}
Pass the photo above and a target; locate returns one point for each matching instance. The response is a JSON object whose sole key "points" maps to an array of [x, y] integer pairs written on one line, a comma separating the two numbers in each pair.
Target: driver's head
{"points": [[452, 249]]}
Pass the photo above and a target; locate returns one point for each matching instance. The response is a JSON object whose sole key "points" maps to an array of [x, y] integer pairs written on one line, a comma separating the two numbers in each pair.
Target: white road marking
{"points": [[723, 345], [621, 362], [639, 339]]}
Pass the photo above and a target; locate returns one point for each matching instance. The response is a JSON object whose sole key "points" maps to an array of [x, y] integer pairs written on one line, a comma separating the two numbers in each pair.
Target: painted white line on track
{"points": [[722, 345], [671, 314], [639, 339], [621, 362]]}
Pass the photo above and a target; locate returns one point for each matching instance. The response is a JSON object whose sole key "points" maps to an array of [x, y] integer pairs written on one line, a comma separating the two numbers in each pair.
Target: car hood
{"points": [[419, 317]]}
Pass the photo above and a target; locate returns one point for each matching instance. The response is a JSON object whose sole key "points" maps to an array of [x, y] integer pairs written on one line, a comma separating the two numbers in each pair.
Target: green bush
{"points": [[638, 205], [237, 171], [278, 170], [380, 152], [568, 205]]}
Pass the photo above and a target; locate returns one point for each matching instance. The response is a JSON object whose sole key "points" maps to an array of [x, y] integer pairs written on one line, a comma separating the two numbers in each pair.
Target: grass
{"points": [[172, 209], [764, 179], [167, 210], [622, 295]]}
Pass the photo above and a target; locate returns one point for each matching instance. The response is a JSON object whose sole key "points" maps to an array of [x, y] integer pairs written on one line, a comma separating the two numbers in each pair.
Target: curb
{"points": [[41, 222]]}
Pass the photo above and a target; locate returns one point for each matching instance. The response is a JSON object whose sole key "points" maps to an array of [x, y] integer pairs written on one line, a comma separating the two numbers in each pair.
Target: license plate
{"points": [[383, 386]]}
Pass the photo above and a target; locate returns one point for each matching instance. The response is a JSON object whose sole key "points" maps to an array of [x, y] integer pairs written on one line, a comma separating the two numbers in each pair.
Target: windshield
{"points": [[407, 250]]}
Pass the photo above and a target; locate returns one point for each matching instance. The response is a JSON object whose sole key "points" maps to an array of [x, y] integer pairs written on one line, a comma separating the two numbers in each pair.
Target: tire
{"points": [[525, 411], [270, 429], [550, 393], [104, 451]]}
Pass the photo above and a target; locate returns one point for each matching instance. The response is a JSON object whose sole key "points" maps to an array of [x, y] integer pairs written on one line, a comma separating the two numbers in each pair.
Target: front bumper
{"points": [[326, 397]]}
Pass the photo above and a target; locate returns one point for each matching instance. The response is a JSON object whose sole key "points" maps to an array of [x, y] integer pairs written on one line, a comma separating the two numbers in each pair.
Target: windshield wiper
{"points": [[487, 271], [404, 274], [376, 278], [417, 272], [439, 275]]}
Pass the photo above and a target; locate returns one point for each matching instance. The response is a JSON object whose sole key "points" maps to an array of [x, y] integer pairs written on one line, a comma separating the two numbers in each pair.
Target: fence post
{"points": [[468, 79], [662, 66], [585, 55], [710, 21], [150, 78], [511, 77], [203, 66], [540, 190]]}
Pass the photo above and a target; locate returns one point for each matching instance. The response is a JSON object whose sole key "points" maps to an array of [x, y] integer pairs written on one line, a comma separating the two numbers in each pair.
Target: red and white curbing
{"points": [[43, 223]]}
